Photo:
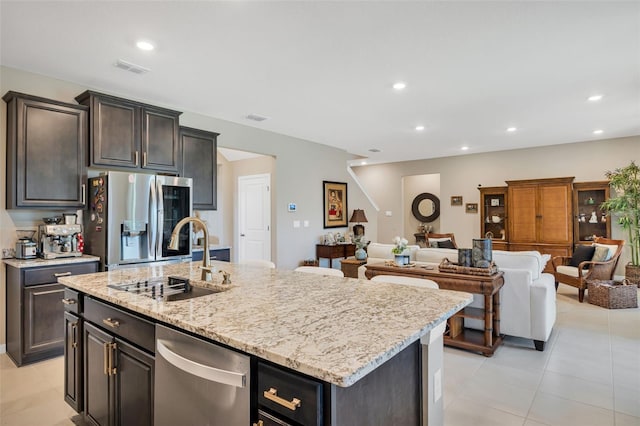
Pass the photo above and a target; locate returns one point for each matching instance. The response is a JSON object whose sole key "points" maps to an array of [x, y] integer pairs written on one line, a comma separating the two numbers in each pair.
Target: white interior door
{"points": [[254, 217]]}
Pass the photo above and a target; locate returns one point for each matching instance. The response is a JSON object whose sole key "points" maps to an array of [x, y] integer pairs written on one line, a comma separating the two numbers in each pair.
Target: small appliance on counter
{"points": [[60, 240], [26, 248]]}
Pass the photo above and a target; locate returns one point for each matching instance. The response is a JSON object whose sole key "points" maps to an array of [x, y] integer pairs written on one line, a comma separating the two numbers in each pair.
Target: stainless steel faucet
{"points": [[206, 259]]}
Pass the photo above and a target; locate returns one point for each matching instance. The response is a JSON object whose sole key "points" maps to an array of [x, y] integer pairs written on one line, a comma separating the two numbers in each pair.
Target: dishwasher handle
{"points": [[212, 374]]}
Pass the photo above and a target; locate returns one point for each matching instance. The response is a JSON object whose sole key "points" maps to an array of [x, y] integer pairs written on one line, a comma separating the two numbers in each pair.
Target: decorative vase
{"points": [[481, 253], [464, 257], [361, 254], [401, 259]]}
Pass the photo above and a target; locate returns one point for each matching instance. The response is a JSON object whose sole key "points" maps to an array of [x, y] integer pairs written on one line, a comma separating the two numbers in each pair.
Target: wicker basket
{"points": [[632, 273], [448, 266], [612, 294]]}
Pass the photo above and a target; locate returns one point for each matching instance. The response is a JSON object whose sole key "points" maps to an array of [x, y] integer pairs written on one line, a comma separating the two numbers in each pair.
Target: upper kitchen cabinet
{"points": [[128, 134], [199, 162], [46, 164]]}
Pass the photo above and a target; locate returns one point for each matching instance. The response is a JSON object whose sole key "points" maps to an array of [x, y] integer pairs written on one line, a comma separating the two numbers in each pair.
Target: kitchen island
{"points": [[354, 336]]}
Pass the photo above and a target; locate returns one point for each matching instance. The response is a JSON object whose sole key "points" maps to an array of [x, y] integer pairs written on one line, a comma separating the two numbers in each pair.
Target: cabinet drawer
{"points": [[71, 301], [289, 387], [50, 274], [136, 330]]}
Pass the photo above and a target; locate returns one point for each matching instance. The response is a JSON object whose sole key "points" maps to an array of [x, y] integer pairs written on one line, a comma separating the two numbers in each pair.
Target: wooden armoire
{"points": [[540, 216]]}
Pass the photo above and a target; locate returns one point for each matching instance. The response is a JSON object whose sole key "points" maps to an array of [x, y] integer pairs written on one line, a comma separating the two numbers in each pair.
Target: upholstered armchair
{"points": [[591, 269]]}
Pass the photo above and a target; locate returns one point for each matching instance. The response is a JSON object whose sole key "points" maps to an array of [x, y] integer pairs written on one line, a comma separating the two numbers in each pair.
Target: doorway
{"points": [[254, 217]]}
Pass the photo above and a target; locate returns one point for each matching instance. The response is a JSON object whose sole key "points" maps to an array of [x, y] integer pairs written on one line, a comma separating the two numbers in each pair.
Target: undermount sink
{"points": [[168, 289]]}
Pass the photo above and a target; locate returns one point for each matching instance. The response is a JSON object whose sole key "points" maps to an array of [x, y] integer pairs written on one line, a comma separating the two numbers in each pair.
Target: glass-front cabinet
{"points": [[590, 220], [493, 216]]}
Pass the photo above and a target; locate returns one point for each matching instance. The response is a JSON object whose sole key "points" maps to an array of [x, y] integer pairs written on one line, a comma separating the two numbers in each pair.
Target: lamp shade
{"points": [[358, 216]]}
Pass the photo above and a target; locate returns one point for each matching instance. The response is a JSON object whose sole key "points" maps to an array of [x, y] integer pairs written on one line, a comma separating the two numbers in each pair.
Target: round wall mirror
{"points": [[426, 207]]}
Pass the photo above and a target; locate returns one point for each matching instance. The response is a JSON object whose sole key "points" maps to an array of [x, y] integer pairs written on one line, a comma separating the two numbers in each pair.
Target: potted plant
{"points": [[400, 246], [626, 206]]}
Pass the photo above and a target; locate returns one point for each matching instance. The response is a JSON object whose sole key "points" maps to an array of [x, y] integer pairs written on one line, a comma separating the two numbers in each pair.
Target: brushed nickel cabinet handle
{"points": [[62, 274], [135, 158], [272, 395], [74, 338], [144, 159], [69, 301], [111, 322], [83, 196]]}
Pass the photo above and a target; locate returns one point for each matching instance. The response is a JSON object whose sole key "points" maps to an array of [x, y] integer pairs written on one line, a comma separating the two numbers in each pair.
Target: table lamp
{"points": [[358, 217]]}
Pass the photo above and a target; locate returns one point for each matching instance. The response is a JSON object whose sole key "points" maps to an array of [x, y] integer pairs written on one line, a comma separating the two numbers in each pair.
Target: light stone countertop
{"points": [[335, 329], [36, 263]]}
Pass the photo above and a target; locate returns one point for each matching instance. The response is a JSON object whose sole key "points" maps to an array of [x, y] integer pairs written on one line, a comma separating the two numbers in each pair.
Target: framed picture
{"points": [[335, 204], [456, 200], [471, 207], [495, 202]]}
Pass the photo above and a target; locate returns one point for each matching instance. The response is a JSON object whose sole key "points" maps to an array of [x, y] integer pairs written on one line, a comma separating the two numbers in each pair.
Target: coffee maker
{"points": [[60, 240]]}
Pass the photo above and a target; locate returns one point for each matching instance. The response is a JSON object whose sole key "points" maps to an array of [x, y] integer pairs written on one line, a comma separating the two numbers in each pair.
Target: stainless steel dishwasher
{"points": [[199, 383]]}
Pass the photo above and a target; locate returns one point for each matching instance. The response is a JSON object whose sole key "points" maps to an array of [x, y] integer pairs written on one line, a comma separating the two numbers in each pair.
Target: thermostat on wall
{"points": [[292, 207]]}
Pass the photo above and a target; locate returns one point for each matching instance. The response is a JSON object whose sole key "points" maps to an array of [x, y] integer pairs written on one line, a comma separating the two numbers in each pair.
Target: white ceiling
{"points": [[323, 71]]}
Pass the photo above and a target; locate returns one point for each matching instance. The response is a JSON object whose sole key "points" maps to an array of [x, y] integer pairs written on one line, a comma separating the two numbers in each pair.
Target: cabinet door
{"points": [[555, 214], [44, 324], [160, 143], [522, 214], [73, 361], [133, 386], [45, 152], [98, 387], [115, 132], [199, 162]]}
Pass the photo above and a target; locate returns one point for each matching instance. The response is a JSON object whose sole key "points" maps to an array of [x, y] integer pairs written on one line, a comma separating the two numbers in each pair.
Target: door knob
{"points": [[242, 235]]}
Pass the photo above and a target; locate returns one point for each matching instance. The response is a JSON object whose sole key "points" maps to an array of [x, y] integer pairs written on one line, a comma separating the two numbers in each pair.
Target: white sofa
{"points": [[378, 252], [527, 299]]}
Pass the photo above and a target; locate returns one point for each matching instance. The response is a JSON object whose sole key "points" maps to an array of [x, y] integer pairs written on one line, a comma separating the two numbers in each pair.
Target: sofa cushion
{"points": [[581, 254], [530, 260], [446, 244], [612, 248], [601, 254], [383, 251], [433, 242], [571, 271], [435, 255]]}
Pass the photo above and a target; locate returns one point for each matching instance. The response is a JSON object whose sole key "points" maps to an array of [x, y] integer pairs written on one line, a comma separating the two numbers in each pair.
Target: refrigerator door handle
{"points": [[153, 223], [160, 215]]}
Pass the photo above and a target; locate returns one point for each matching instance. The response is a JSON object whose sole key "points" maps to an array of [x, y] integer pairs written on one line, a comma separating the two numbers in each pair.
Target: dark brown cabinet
{"points": [[118, 375], [35, 321], [493, 216], [129, 134], [199, 162], [46, 164], [589, 219], [73, 361]]}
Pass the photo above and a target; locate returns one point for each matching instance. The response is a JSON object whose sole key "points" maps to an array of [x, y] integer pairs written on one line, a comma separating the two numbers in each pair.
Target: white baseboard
{"points": [[3, 348]]}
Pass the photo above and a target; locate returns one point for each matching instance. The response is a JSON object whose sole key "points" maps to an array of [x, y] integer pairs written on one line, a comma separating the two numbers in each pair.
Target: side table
{"points": [[335, 251], [350, 267]]}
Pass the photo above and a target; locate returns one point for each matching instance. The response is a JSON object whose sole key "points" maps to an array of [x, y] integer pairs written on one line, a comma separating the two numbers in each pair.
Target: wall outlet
{"points": [[388, 213], [296, 224], [305, 223]]}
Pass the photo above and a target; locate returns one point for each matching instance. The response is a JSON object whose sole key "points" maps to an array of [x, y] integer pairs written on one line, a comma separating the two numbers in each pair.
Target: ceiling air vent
{"points": [[128, 66], [256, 117]]}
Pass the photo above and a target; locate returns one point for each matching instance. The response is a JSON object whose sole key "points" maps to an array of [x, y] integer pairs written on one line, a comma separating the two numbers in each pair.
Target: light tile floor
{"points": [[589, 374]]}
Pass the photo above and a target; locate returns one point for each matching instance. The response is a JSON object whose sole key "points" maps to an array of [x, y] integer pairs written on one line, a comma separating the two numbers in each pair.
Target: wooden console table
{"points": [[350, 267], [458, 336], [334, 251]]}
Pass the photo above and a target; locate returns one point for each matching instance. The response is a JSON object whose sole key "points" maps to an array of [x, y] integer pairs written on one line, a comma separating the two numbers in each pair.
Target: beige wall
{"points": [[413, 186], [300, 168], [461, 175]]}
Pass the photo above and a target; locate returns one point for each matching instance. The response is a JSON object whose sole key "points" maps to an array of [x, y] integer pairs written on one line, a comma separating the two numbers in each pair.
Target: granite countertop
{"points": [[335, 329], [35, 263]]}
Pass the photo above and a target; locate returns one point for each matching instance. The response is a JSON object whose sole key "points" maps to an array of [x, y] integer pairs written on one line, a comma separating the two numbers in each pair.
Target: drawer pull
{"points": [[272, 395], [105, 358], [260, 423], [69, 301], [111, 322], [62, 274]]}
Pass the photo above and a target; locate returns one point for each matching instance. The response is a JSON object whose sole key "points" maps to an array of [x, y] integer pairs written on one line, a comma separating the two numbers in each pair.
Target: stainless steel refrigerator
{"points": [[131, 215]]}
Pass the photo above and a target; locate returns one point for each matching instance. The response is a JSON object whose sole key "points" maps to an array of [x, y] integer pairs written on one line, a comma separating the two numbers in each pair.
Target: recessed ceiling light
{"points": [[598, 132], [594, 98], [512, 129], [419, 128], [145, 45], [464, 148], [399, 85], [364, 163]]}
